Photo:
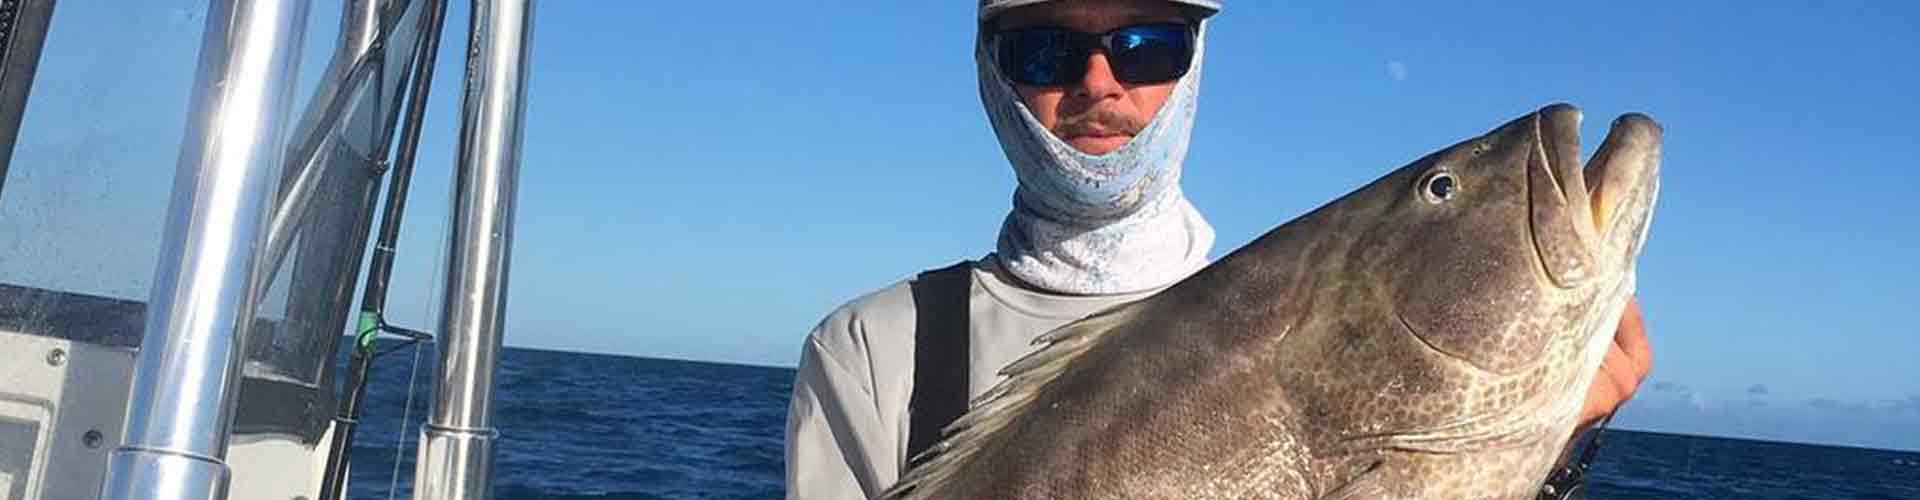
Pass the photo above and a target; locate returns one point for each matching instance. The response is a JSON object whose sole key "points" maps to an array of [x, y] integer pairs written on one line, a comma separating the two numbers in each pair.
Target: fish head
{"points": [[1504, 246], [1500, 267]]}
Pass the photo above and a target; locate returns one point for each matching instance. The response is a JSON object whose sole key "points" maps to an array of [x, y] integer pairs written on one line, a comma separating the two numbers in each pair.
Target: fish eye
{"points": [[1439, 186]]}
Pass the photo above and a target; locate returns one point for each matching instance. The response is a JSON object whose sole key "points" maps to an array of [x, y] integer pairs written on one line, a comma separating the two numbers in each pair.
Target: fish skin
{"points": [[1388, 344]]}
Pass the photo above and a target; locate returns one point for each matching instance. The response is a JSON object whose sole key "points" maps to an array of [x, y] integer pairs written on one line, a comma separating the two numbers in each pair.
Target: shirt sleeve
{"points": [[837, 447]]}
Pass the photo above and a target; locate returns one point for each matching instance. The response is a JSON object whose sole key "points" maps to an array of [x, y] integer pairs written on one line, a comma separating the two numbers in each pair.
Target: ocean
{"points": [[587, 426]]}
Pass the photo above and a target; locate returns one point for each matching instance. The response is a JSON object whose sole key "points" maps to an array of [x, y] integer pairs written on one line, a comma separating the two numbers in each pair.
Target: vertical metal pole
{"points": [[456, 445], [186, 377]]}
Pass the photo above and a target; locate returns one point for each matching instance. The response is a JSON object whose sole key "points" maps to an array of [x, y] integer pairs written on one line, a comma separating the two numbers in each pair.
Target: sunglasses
{"points": [[1052, 57]]}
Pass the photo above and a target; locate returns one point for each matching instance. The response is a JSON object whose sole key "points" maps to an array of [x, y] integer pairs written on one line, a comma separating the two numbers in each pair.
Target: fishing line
{"points": [[413, 378], [400, 437]]}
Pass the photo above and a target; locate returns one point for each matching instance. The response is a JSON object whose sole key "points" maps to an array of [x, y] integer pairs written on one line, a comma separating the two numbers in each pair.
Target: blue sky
{"points": [[707, 181]]}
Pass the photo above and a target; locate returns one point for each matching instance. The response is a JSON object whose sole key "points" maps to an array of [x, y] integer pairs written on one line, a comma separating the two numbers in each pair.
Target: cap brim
{"points": [[990, 8]]}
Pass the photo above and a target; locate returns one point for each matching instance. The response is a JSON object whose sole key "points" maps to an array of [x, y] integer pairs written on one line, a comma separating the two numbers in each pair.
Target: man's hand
{"points": [[1628, 360]]}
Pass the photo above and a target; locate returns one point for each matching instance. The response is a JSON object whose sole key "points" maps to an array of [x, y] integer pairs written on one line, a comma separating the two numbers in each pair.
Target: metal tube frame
{"points": [[185, 380], [324, 139], [335, 224], [22, 36], [456, 445]]}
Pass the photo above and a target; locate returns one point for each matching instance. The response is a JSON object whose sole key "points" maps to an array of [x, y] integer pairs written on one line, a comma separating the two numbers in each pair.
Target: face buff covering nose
{"points": [[1091, 225]]}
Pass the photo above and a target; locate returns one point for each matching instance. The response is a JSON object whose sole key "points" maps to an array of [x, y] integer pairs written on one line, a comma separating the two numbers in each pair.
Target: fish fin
{"points": [[941, 465], [1367, 485]]}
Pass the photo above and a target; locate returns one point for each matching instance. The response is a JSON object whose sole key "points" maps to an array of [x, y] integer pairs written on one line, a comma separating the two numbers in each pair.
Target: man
{"points": [[1096, 139]]}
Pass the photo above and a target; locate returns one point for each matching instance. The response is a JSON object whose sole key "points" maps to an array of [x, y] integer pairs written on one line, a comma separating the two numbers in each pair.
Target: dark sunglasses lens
{"points": [[1041, 57], [1154, 53]]}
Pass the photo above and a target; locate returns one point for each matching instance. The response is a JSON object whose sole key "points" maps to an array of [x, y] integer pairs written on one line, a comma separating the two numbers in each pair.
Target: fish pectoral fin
{"points": [[951, 461], [1367, 485]]}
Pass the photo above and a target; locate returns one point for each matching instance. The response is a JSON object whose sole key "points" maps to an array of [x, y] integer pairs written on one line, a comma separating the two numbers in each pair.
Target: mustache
{"points": [[1097, 120]]}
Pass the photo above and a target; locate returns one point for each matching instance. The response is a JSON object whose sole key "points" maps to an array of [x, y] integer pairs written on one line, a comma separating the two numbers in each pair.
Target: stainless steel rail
{"points": [[456, 445], [186, 376]]}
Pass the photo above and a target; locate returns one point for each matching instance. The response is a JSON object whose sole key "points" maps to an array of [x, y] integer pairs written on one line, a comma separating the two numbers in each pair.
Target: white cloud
{"points": [[1397, 70], [1675, 407]]}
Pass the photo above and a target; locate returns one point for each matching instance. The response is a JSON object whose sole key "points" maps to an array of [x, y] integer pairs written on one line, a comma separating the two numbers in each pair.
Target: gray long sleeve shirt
{"points": [[847, 423]]}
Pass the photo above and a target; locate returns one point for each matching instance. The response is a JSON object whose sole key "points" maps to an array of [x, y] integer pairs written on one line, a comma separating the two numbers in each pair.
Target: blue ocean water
{"points": [[586, 426]]}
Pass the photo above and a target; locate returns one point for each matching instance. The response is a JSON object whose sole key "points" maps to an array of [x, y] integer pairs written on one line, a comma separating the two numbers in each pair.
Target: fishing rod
{"points": [[1570, 482], [372, 319]]}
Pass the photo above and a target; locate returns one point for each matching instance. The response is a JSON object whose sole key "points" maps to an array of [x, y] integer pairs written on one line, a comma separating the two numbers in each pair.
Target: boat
{"points": [[224, 380]]}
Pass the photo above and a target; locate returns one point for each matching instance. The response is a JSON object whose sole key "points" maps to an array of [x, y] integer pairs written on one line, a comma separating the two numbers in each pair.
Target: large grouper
{"points": [[1431, 335]]}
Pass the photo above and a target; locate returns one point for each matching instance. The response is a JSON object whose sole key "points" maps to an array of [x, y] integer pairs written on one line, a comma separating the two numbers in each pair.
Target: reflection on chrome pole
{"points": [[456, 445], [186, 377]]}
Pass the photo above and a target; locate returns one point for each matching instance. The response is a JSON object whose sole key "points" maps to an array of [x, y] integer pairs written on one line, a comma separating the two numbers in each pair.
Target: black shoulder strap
{"points": [[940, 370]]}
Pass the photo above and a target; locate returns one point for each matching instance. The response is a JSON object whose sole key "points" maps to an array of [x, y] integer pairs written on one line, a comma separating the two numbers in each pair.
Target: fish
{"points": [[1429, 335]]}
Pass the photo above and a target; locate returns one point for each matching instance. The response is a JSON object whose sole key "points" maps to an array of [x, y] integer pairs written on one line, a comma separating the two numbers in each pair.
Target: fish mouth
{"points": [[1585, 218], [1624, 179]]}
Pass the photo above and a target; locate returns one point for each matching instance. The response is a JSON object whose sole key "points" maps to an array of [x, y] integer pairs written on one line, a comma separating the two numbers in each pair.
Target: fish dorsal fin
{"points": [[1025, 379]]}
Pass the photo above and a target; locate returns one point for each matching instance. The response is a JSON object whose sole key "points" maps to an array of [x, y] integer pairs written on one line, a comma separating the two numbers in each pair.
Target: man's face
{"points": [[1099, 114]]}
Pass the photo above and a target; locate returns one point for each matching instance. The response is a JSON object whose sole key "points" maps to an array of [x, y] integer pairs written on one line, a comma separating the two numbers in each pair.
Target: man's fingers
{"points": [[1631, 339], [1628, 360], [1622, 373]]}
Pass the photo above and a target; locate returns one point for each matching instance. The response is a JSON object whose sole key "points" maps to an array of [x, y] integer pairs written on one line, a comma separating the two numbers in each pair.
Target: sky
{"points": [[708, 181]]}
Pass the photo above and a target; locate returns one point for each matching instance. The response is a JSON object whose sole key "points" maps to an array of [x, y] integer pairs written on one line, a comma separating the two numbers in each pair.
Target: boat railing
{"points": [[266, 227]]}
